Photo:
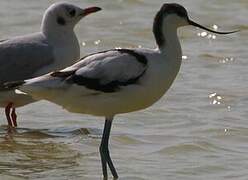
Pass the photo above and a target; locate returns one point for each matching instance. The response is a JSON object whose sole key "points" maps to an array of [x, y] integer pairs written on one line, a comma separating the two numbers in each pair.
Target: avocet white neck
{"points": [[165, 32], [171, 45]]}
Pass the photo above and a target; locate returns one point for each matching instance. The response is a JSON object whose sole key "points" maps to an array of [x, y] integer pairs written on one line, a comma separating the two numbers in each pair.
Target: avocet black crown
{"points": [[173, 8]]}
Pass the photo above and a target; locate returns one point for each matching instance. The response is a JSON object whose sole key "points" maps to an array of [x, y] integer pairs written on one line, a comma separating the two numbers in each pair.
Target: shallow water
{"points": [[198, 130]]}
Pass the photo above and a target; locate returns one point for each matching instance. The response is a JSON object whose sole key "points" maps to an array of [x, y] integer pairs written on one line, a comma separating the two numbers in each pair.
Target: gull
{"points": [[54, 47], [119, 80]]}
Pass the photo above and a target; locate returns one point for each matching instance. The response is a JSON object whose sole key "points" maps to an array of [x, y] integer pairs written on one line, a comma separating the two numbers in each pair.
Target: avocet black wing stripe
{"points": [[110, 78]]}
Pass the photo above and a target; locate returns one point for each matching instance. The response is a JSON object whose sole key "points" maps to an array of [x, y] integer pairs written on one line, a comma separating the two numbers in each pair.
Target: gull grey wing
{"points": [[21, 58], [107, 71]]}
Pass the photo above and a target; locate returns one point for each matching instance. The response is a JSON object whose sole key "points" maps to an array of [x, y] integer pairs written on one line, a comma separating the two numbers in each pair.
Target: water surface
{"points": [[198, 130]]}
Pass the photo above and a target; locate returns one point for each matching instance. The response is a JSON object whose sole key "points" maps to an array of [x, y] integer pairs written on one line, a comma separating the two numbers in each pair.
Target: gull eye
{"points": [[61, 21], [72, 12]]}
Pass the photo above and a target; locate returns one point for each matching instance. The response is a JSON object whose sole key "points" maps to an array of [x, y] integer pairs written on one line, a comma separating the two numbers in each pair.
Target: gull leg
{"points": [[7, 113], [14, 117], [104, 151]]}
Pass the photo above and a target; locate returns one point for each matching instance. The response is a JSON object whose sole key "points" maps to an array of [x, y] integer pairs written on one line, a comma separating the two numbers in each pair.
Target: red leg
{"points": [[14, 117], [7, 113]]}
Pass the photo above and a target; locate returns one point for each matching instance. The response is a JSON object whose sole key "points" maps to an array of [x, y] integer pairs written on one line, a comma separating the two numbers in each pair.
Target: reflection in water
{"points": [[28, 151], [215, 98], [226, 60], [206, 35]]}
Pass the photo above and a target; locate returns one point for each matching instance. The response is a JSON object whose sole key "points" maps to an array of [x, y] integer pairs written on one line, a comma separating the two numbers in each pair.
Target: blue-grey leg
{"points": [[104, 151]]}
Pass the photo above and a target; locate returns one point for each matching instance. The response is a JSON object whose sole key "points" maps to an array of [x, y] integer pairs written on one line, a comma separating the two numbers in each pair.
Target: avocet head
{"points": [[173, 16], [65, 15]]}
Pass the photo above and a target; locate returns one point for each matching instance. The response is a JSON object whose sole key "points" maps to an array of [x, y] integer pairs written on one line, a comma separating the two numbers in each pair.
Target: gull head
{"points": [[64, 16]]}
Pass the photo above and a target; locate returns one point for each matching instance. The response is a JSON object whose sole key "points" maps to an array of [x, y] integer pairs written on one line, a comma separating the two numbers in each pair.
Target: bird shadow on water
{"points": [[28, 153]]}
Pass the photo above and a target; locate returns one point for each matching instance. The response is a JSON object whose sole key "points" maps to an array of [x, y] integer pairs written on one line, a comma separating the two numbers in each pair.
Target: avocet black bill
{"points": [[210, 30]]}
